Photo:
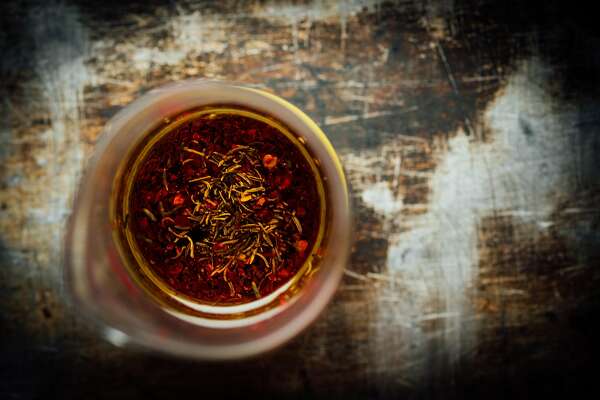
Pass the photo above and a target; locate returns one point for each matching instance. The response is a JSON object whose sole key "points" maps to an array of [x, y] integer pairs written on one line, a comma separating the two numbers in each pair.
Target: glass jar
{"points": [[100, 280]]}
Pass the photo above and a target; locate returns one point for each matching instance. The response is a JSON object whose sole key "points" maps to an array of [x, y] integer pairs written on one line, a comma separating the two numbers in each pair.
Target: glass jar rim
{"points": [[177, 96]]}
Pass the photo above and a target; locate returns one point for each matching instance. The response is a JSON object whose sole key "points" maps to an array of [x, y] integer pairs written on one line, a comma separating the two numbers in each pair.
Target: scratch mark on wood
{"points": [[356, 275]]}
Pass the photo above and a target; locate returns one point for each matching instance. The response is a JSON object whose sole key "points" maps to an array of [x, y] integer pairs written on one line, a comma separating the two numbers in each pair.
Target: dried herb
{"points": [[220, 208]]}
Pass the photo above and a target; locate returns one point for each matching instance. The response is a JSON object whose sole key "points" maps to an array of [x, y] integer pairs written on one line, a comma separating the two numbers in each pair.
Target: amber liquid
{"points": [[159, 208]]}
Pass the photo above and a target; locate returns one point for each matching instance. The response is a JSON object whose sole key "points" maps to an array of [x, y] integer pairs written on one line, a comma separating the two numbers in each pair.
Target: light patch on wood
{"points": [[381, 198], [425, 310], [50, 181]]}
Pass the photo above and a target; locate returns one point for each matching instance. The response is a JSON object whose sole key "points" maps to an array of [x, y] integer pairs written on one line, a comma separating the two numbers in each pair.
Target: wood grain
{"points": [[468, 133]]}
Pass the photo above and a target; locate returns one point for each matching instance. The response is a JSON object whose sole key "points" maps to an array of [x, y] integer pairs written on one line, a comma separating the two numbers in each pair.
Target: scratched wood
{"points": [[467, 130]]}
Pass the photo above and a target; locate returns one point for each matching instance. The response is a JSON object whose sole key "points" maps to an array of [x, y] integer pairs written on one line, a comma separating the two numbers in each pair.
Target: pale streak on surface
{"points": [[63, 74], [190, 35], [47, 186], [432, 259], [342, 119], [316, 11]]}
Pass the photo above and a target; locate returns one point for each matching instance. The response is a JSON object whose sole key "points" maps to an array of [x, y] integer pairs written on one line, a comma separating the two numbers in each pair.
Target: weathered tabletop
{"points": [[468, 130]]}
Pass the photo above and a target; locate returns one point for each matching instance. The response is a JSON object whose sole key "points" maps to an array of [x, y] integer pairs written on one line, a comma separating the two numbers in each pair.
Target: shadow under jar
{"points": [[213, 222]]}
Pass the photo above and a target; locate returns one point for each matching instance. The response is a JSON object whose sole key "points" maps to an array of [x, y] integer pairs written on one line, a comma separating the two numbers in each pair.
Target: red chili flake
{"points": [[260, 202], [283, 273], [143, 222], [301, 211], [178, 199], [188, 171], [251, 133], [175, 269], [269, 161], [161, 193], [195, 136], [285, 183], [219, 246], [301, 246]]}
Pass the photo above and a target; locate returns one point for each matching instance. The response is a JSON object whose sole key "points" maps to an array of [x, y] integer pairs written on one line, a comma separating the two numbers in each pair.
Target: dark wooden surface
{"points": [[469, 133]]}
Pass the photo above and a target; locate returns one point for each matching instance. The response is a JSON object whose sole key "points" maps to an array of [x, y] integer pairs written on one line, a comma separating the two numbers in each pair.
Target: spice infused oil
{"points": [[220, 206]]}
